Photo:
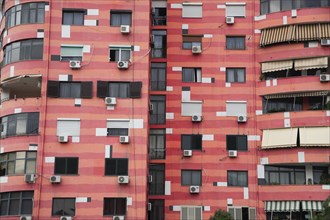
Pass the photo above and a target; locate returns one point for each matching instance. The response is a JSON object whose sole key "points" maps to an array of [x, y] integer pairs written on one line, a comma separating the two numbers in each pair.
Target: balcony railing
{"points": [[157, 154]]}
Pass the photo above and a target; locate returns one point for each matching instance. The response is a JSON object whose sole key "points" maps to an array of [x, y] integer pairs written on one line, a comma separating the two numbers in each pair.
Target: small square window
{"points": [[235, 43], [191, 75], [73, 17], [191, 177], [189, 41], [120, 54], [237, 178], [116, 166], [114, 206], [118, 18], [64, 207], [71, 52], [237, 142], [66, 165], [191, 141], [235, 75]]}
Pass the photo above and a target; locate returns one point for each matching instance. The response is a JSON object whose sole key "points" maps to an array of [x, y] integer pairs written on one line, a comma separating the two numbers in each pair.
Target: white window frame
{"points": [[120, 48], [194, 215], [240, 207], [236, 5]]}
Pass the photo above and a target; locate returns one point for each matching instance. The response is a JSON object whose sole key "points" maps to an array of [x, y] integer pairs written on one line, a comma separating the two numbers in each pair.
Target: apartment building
{"points": [[164, 110]]}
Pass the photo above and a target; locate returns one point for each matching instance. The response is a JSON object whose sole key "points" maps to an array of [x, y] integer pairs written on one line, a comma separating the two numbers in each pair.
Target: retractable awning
{"points": [[298, 94], [311, 63], [315, 136], [282, 206], [311, 206], [276, 66], [279, 138]]}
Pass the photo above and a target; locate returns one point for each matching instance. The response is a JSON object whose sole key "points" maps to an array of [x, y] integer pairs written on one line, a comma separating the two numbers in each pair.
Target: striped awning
{"points": [[311, 63], [282, 206], [276, 35], [279, 138], [298, 94], [314, 136], [276, 66], [312, 206]]}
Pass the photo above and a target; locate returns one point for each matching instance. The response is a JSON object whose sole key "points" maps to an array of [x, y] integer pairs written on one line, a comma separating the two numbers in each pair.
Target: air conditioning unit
{"points": [[325, 42], [65, 218], [194, 189], [241, 119], [122, 64], [324, 77], [110, 101], [149, 206], [124, 139], [150, 178], [196, 49], [74, 64], [29, 178], [63, 139], [123, 179], [196, 118], [25, 218], [232, 153], [230, 20], [117, 217], [187, 153], [124, 29], [55, 179]]}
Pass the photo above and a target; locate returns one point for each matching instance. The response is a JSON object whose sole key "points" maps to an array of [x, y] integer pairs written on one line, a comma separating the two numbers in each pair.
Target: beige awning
{"points": [[276, 35], [311, 63], [315, 136], [297, 94], [278, 138], [282, 206], [276, 66]]}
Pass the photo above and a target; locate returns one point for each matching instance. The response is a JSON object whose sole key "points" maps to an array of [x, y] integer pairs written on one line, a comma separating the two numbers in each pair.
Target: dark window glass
{"points": [[159, 16], [191, 177], [157, 209], [157, 145], [237, 142], [235, 43], [115, 206], [66, 165], [191, 75], [235, 75], [321, 175], [18, 163], [157, 109], [116, 166], [117, 131], [119, 90], [64, 207], [158, 77], [191, 141], [282, 105], [118, 18], [285, 175], [159, 42], [73, 17], [16, 203], [20, 124], [120, 54], [237, 178], [157, 173], [70, 90]]}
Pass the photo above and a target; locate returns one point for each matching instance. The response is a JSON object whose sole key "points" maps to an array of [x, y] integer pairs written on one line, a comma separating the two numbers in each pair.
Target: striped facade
{"points": [[166, 84]]}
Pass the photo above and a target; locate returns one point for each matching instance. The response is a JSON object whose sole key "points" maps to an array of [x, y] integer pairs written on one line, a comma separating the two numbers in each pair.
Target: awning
{"points": [[282, 206], [276, 35], [315, 136], [314, 31], [279, 138], [311, 63], [298, 94], [276, 66], [312, 206]]}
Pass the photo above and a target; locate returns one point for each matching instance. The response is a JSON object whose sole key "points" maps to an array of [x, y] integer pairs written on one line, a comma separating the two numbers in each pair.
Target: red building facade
{"points": [[164, 109]]}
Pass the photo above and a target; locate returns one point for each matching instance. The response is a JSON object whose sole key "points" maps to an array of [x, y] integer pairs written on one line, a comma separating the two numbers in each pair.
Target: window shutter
{"points": [[102, 89], [33, 123], [231, 142], [135, 89], [197, 141], [53, 89], [86, 89]]}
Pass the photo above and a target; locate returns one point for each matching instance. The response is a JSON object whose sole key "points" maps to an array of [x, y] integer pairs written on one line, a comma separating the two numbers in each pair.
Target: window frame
{"points": [[159, 44], [6, 160], [62, 202], [73, 12], [188, 14], [117, 132], [117, 162], [120, 13], [157, 72], [157, 210], [291, 171], [188, 41], [66, 161], [114, 211], [21, 199], [119, 91], [195, 139], [156, 151], [237, 40], [238, 148], [194, 72], [235, 73], [156, 101], [190, 173], [157, 186], [65, 58], [120, 50], [237, 172], [234, 4]]}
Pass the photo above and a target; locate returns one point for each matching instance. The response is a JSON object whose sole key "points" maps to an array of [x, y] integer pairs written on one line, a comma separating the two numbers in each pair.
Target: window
{"points": [[20, 124], [191, 213], [120, 53], [64, 207], [119, 89], [116, 167], [157, 210], [29, 13], [61, 89], [117, 131], [192, 10], [159, 16], [191, 141], [16, 203], [68, 127], [236, 108], [237, 178], [66, 165], [285, 175], [237, 142], [191, 75], [243, 213], [18, 163], [282, 104], [71, 52], [191, 108], [159, 44], [235, 43], [73, 17], [115, 206], [235, 75], [157, 185], [189, 41], [191, 177], [118, 18], [31, 49], [158, 77], [157, 144], [157, 114], [235, 9], [321, 175]]}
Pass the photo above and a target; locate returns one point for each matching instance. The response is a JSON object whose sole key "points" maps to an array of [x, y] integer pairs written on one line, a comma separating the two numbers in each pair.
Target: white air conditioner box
{"points": [[55, 179], [324, 77], [232, 153], [110, 101], [29, 178], [196, 118], [241, 118], [25, 217], [65, 218], [74, 64], [124, 29], [122, 64], [230, 20], [187, 153], [63, 139], [124, 139], [325, 42], [194, 189], [117, 217], [196, 49], [123, 179]]}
